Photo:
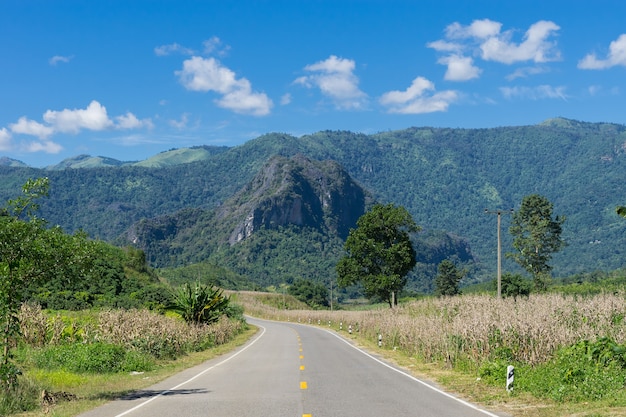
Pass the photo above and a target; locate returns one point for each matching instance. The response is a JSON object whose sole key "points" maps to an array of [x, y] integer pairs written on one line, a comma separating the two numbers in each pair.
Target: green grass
{"points": [[95, 389], [94, 358]]}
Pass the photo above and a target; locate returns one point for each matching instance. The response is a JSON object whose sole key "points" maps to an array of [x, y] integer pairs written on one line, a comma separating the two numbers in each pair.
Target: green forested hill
{"points": [[444, 177]]}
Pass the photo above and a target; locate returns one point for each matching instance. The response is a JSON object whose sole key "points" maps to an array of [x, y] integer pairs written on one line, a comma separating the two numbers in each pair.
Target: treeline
{"points": [[444, 177], [116, 278]]}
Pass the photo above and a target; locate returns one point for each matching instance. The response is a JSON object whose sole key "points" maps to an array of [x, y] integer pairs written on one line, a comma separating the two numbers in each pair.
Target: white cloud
{"points": [[214, 45], [525, 72], [285, 99], [180, 124], [535, 46], [335, 79], [594, 89], [26, 126], [5, 140], [485, 39], [208, 74], [481, 29], [444, 46], [59, 58], [210, 46], [200, 74], [534, 93], [172, 48], [415, 99], [460, 68], [46, 146], [94, 117], [616, 56], [243, 100], [130, 121]]}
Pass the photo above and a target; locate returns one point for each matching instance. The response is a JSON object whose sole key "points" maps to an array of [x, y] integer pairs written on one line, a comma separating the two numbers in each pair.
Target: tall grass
{"points": [[476, 328], [140, 330], [108, 341]]}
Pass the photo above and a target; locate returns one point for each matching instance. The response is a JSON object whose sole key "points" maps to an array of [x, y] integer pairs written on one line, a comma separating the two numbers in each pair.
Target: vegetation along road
{"points": [[291, 370]]}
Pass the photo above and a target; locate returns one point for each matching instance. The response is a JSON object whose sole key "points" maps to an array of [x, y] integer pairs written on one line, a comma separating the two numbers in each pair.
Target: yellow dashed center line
{"points": [[303, 384]]}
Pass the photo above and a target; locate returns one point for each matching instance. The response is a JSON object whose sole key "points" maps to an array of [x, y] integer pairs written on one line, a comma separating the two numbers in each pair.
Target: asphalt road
{"points": [[291, 370]]}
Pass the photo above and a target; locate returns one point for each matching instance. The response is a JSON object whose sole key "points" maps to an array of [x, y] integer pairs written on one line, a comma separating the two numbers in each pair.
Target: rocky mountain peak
{"points": [[296, 191]]}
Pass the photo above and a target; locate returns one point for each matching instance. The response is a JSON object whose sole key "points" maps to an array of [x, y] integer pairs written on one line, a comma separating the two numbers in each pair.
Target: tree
{"points": [[514, 285], [379, 252], [537, 235], [447, 279], [312, 293], [29, 253]]}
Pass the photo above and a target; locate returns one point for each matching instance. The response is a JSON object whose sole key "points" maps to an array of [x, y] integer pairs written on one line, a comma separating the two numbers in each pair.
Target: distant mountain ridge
{"points": [[160, 160], [446, 178], [9, 162]]}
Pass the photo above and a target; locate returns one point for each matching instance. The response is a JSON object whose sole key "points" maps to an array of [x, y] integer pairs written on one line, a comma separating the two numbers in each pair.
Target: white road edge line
{"points": [[412, 377], [162, 393]]}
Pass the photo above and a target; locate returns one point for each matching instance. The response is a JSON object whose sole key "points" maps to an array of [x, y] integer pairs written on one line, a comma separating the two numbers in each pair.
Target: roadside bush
{"points": [[199, 304], [96, 358], [585, 371], [22, 397], [234, 311]]}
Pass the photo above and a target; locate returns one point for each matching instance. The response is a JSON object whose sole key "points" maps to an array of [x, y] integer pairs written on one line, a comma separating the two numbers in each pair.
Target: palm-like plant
{"points": [[199, 304]]}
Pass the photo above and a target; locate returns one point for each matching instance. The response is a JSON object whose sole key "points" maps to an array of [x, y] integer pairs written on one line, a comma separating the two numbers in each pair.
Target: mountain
{"points": [[86, 161], [181, 156], [8, 162], [446, 178], [312, 201], [288, 222], [296, 191], [163, 159]]}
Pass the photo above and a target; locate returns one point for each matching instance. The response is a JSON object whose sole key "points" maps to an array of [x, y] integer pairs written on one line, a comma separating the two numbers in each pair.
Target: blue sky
{"points": [[128, 79]]}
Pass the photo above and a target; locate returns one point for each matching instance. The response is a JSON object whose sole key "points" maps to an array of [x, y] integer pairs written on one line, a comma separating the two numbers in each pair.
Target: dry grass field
{"points": [[449, 340], [474, 327]]}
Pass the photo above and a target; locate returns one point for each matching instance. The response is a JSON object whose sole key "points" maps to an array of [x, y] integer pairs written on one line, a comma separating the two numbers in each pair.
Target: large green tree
{"points": [[447, 279], [379, 252], [29, 253], [537, 235]]}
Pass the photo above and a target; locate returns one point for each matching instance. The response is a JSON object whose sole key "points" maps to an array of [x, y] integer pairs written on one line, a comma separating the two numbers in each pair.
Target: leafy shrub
{"points": [[21, 397], [234, 311], [585, 371], [199, 304], [494, 372], [590, 370], [97, 358]]}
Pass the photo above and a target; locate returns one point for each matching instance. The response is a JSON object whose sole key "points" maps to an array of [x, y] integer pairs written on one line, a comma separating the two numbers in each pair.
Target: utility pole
{"points": [[499, 213]]}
